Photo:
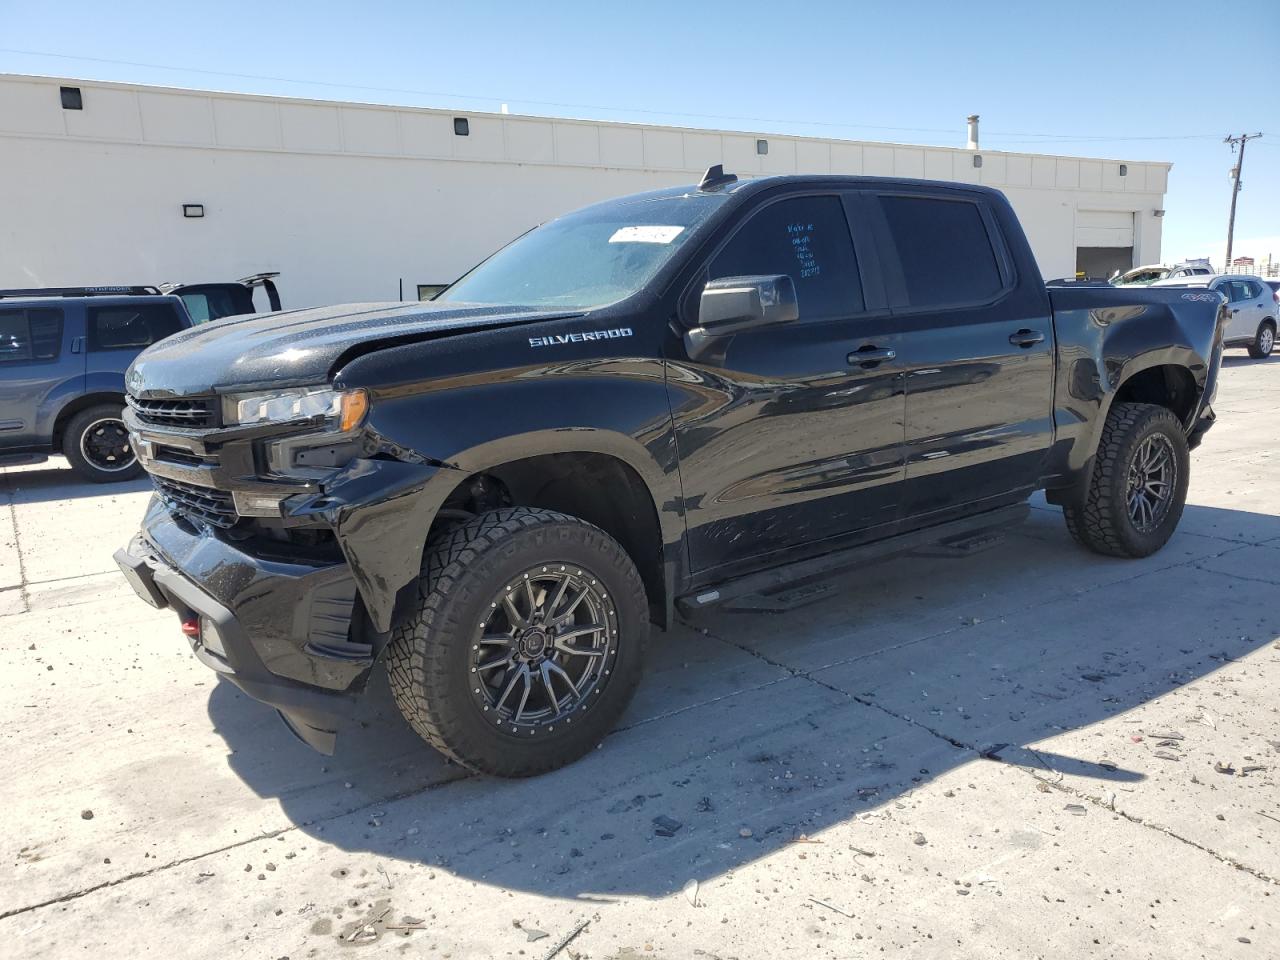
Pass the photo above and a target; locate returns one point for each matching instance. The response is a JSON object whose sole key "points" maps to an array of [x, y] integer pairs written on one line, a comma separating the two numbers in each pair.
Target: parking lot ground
{"points": [[1030, 752]]}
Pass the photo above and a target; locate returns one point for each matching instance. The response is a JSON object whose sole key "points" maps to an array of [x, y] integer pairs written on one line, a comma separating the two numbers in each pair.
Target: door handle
{"points": [[1026, 338], [871, 356]]}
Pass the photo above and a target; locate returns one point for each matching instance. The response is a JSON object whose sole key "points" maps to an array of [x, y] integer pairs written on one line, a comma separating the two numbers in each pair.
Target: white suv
{"points": [[1253, 307], [1149, 274]]}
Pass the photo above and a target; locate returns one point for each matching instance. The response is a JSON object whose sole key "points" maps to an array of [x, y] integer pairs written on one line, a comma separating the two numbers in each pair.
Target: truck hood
{"points": [[300, 347]]}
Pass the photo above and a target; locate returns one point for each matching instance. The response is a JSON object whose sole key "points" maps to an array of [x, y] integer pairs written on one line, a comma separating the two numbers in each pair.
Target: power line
{"points": [[1040, 137]]}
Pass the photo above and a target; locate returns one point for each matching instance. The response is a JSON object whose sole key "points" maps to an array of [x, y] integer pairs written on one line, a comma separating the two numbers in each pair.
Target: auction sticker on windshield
{"points": [[646, 233]]}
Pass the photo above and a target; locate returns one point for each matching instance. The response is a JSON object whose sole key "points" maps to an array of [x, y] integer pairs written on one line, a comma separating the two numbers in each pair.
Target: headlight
{"points": [[346, 408]]}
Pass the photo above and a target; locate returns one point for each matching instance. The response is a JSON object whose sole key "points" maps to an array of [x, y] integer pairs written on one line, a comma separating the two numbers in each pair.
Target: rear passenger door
{"points": [[37, 367], [118, 332], [977, 354]]}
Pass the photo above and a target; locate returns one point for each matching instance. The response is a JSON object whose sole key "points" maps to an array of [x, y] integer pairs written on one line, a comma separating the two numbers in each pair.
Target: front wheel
{"points": [[1138, 486], [525, 644], [96, 444], [1264, 341]]}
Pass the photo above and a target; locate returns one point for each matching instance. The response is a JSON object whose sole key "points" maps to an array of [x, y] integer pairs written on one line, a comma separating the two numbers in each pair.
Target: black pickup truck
{"points": [[659, 402]]}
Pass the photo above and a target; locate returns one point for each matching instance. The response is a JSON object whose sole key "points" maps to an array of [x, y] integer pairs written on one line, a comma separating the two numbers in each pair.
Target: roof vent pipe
{"points": [[973, 133]]}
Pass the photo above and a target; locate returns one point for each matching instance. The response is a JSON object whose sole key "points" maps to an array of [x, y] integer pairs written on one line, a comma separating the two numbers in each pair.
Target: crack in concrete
{"points": [[1134, 818]]}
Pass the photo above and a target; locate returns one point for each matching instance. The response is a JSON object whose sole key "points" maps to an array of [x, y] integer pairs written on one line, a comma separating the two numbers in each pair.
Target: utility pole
{"points": [[1243, 139]]}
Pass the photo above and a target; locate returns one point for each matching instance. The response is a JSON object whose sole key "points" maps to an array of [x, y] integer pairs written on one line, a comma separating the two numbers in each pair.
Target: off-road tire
{"points": [[1264, 341], [1102, 522], [429, 657], [74, 433]]}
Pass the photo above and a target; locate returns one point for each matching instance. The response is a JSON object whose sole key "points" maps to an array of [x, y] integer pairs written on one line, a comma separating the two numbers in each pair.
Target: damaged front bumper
{"points": [[296, 628]]}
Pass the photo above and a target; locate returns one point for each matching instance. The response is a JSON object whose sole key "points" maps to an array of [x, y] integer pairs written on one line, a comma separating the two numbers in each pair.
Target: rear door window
{"points": [[806, 238], [944, 248], [26, 335], [131, 326]]}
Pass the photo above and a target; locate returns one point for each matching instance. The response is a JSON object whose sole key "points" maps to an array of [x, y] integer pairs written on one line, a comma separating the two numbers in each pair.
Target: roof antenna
{"points": [[716, 177]]}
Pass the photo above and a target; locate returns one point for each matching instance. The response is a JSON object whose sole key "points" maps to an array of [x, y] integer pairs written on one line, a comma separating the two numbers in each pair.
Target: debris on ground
{"points": [[664, 826], [1166, 755], [86, 814], [1220, 767], [829, 906], [691, 892], [534, 934], [745, 833], [1075, 809], [918, 839], [566, 939]]}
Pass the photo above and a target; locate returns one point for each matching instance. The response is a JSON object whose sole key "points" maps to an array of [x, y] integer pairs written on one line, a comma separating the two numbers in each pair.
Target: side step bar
{"points": [[767, 590]]}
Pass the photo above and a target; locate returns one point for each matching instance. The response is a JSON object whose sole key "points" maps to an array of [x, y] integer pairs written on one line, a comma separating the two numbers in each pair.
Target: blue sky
{"points": [[1153, 81]]}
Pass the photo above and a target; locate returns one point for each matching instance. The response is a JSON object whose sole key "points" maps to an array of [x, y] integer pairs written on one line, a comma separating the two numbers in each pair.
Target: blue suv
{"points": [[63, 355]]}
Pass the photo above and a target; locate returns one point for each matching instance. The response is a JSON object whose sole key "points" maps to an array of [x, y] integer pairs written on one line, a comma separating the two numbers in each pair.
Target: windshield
{"points": [[590, 258]]}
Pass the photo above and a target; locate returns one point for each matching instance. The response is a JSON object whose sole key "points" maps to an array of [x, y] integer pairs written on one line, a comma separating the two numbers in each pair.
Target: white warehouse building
{"points": [[111, 183]]}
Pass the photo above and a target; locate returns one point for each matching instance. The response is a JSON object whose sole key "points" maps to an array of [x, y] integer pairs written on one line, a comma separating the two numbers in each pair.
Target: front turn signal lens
{"points": [[355, 404]]}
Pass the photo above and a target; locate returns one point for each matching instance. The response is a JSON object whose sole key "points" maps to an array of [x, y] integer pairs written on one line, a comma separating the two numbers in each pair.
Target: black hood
{"points": [[299, 347]]}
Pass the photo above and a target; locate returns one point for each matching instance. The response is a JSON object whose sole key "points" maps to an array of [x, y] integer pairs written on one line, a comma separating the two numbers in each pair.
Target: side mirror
{"points": [[733, 304]]}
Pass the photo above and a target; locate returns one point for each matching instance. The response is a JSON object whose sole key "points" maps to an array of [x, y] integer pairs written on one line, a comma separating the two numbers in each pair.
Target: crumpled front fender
{"points": [[379, 511]]}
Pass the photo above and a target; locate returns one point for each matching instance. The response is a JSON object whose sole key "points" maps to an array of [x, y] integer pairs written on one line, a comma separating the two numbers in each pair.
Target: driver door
{"points": [[791, 437]]}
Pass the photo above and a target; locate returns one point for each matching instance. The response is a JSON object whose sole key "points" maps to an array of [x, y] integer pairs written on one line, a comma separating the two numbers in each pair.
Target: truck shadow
{"points": [[751, 729]]}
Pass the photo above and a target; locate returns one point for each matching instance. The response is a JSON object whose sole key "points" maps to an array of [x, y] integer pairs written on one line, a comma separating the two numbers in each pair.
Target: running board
{"points": [[787, 587]]}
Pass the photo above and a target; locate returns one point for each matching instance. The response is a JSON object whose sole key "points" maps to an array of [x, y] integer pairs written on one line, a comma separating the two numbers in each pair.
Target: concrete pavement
{"points": [[1030, 752]]}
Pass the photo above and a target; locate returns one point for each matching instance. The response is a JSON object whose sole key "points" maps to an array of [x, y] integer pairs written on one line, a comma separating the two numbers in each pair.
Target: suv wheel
{"points": [[1139, 483], [96, 443], [1264, 341], [526, 642]]}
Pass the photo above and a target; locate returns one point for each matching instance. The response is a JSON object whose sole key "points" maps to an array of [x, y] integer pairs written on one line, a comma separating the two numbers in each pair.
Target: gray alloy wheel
{"points": [[1264, 341], [1152, 479], [1133, 499], [525, 643], [543, 650]]}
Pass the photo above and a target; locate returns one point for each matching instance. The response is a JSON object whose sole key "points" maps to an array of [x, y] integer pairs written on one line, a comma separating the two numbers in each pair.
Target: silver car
{"points": [[1253, 308]]}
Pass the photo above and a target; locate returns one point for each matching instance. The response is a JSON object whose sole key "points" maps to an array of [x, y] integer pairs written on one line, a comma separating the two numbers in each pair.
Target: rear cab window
{"points": [[33, 334], [807, 238], [945, 249], [131, 326]]}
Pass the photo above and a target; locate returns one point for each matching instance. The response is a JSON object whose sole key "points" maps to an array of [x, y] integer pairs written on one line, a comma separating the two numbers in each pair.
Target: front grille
{"points": [[213, 507], [187, 412]]}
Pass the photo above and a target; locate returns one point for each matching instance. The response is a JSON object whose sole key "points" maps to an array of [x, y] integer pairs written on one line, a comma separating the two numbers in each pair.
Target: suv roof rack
{"points": [[135, 290]]}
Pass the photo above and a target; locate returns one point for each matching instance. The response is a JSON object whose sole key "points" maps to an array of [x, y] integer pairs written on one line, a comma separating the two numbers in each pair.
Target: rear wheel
{"points": [[526, 642], [1138, 486], [96, 444], [1264, 340]]}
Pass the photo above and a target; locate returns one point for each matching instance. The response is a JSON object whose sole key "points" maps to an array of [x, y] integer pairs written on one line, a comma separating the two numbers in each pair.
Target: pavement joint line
{"points": [[1133, 818], [74, 576], [754, 688], [267, 835], [987, 754], [381, 801], [17, 540]]}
